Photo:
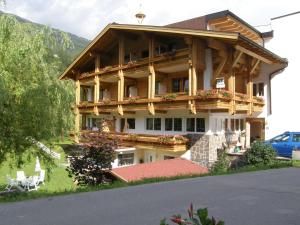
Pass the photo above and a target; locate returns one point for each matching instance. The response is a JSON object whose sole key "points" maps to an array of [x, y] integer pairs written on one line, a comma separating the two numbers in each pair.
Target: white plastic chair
{"points": [[32, 183], [10, 183], [41, 179], [21, 178]]}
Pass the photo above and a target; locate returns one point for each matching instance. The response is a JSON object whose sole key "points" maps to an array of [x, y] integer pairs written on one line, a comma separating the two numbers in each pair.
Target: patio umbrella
{"points": [[37, 165]]}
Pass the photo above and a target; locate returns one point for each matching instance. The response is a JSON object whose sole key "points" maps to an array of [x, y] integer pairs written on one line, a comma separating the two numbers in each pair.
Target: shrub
{"points": [[91, 167], [200, 217], [222, 164], [260, 153]]}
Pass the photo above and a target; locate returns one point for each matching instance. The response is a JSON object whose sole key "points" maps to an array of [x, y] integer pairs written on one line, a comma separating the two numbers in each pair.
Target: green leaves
{"points": [[202, 219], [33, 102], [260, 153]]}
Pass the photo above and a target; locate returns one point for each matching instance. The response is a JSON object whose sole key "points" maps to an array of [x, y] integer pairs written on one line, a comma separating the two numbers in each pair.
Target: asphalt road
{"points": [[257, 198]]}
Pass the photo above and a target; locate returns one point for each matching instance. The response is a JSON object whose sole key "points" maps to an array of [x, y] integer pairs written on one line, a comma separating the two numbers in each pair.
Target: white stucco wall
{"points": [[285, 86]]}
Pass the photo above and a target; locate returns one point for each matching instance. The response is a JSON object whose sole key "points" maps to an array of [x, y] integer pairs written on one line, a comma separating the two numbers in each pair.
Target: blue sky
{"points": [[87, 18]]}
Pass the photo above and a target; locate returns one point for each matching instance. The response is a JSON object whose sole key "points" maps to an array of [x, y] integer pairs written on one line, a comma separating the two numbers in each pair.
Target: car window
{"points": [[282, 138], [296, 138]]}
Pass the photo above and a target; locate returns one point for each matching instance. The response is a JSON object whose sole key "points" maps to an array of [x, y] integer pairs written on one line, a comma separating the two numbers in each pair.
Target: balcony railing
{"points": [[167, 56], [204, 99], [165, 142]]}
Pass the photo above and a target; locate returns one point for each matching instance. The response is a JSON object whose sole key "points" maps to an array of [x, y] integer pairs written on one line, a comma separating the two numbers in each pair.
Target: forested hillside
{"points": [[79, 43], [33, 102]]}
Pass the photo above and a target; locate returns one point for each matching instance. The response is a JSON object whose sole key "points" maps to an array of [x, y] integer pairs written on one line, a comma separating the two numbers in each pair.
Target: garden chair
{"points": [[32, 183], [41, 179], [21, 178], [11, 183]]}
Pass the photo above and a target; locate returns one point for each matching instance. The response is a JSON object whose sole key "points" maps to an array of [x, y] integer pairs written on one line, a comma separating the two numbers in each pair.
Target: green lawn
{"points": [[56, 180]]}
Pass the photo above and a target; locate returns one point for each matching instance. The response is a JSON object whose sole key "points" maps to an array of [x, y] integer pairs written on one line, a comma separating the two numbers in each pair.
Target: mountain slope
{"points": [[78, 42]]}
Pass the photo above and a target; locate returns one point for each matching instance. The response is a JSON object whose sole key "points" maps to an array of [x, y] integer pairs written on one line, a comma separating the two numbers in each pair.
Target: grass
{"points": [[58, 183]]}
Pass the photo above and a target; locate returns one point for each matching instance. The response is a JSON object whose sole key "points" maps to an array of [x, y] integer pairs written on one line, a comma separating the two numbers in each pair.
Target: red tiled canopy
{"points": [[163, 168]]}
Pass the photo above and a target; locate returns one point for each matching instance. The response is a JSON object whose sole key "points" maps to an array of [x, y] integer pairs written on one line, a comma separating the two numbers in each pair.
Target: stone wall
{"points": [[204, 147]]}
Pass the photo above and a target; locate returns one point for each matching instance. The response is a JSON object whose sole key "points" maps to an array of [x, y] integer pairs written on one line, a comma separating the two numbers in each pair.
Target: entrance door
{"points": [[257, 129], [149, 156]]}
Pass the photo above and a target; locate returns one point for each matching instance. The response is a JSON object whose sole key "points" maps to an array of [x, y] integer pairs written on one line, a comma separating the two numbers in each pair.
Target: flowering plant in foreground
{"points": [[200, 217]]}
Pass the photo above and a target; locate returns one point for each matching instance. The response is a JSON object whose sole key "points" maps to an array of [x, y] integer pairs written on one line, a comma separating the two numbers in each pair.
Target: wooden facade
{"points": [[139, 58]]}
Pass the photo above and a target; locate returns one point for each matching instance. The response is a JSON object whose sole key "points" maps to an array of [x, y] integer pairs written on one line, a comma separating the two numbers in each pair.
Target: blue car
{"points": [[285, 143]]}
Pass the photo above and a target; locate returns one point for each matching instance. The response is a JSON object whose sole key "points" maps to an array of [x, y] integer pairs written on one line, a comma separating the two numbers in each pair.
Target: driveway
{"points": [[265, 197]]}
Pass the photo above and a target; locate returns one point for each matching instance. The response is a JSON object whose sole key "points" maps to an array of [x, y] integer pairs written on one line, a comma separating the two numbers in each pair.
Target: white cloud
{"points": [[87, 18]]}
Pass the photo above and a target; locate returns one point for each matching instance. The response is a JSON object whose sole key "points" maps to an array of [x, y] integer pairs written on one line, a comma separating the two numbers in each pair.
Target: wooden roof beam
{"points": [[218, 21], [254, 66], [237, 58], [254, 55], [224, 25]]}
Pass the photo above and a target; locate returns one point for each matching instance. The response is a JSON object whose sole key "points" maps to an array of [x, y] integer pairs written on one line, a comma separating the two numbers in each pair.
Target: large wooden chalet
{"points": [[184, 89]]}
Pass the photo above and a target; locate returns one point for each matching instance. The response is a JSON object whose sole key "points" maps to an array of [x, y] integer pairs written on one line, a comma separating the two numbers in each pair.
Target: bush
{"points": [[200, 217], [91, 167], [222, 164], [260, 153]]}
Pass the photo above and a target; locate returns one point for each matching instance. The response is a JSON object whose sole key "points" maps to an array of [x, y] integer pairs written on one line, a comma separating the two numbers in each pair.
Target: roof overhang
{"points": [[234, 38]]}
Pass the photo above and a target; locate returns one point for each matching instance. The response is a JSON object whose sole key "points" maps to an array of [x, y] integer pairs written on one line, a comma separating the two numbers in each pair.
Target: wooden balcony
{"points": [[177, 57], [204, 100], [171, 143]]}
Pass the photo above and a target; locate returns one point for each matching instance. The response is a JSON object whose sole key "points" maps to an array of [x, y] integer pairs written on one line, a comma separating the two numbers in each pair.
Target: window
{"points": [[125, 159], [296, 138], [131, 123], [258, 89], [226, 124], [261, 89], [131, 91], [145, 53], [200, 125], [153, 123], [176, 85], [122, 124], [190, 124], [166, 157], [168, 124], [242, 124], [180, 85], [185, 85], [127, 123], [231, 124], [157, 124], [157, 84], [237, 124], [177, 124], [281, 138], [149, 123]]}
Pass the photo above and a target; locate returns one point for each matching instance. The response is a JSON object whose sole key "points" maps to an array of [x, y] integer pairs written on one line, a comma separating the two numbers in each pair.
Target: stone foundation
{"points": [[204, 147]]}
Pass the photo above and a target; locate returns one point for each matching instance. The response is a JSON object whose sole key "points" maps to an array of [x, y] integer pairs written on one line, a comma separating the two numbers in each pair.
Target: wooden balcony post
{"points": [[97, 63], [77, 125], [192, 73], [121, 75], [120, 91], [250, 88], [231, 84], [96, 94], [151, 77], [195, 65]]}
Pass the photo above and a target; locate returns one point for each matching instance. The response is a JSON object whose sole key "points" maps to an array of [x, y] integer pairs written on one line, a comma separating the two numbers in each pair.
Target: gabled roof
{"points": [[163, 168], [232, 37], [202, 21]]}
